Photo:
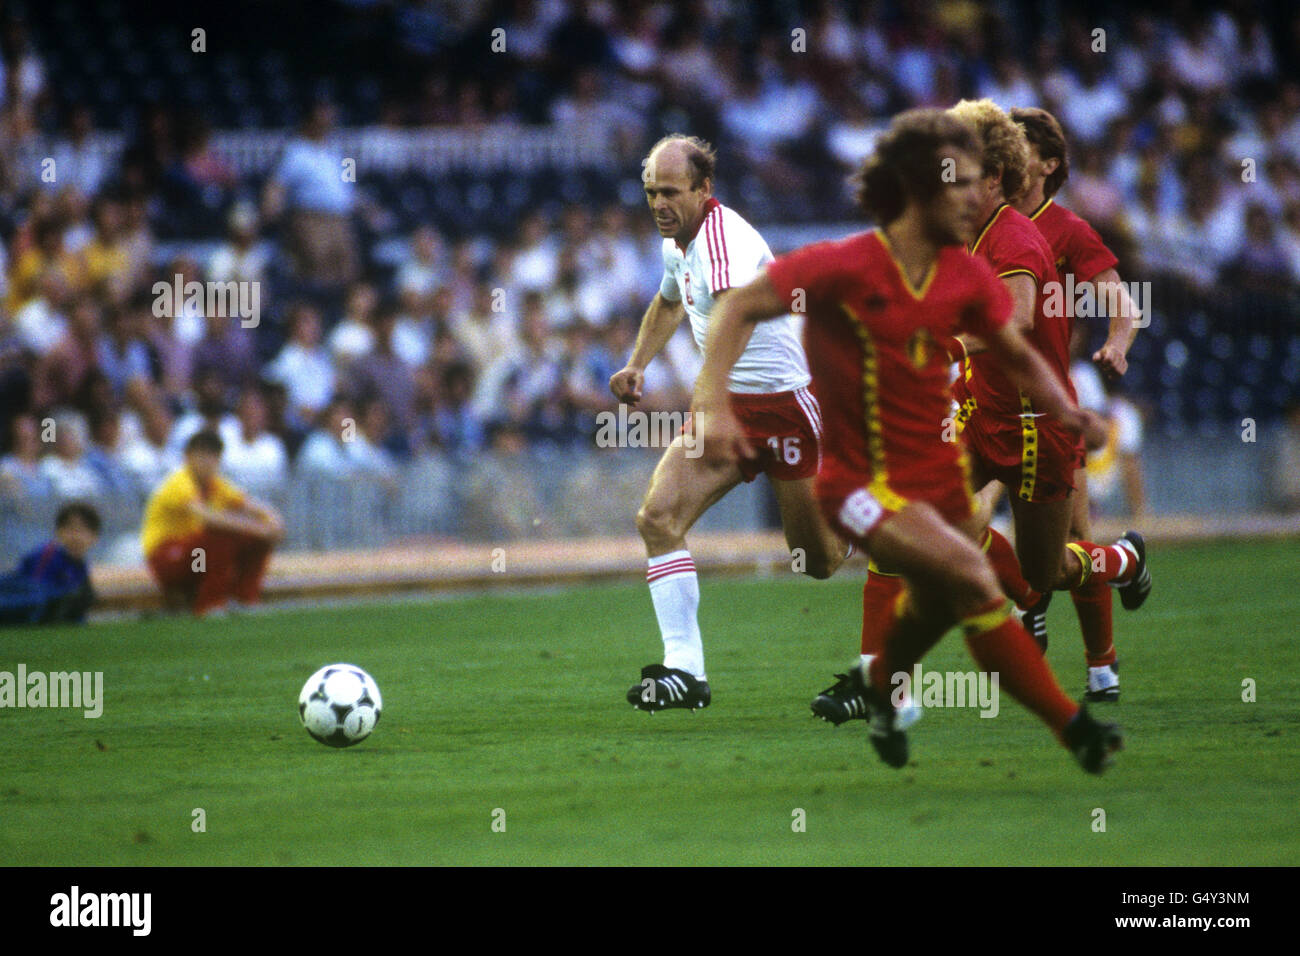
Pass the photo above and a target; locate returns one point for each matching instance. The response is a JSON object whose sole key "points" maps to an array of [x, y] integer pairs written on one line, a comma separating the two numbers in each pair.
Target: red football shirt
{"points": [[1076, 247], [1012, 245], [876, 351]]}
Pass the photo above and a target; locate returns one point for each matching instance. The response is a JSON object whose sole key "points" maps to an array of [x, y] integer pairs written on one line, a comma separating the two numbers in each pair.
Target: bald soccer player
{"points": [[709, 249]]}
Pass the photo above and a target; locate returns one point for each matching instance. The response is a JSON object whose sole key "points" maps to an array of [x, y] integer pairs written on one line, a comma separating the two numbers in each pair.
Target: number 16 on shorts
{"points": [[785, 448]]}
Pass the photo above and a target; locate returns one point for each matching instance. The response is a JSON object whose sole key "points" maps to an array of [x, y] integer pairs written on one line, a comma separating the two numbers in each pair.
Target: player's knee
{"points": [[973, 585], [656, 524], [1043, 581], [821, 568], [821, 560], [1068, 573]]}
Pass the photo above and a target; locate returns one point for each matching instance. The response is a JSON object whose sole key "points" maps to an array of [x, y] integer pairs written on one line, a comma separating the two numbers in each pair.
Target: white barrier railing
{"points": [[377, 149]]}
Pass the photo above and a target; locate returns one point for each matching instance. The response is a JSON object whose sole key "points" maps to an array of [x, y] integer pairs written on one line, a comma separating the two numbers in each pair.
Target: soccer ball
{"points": [[340, 705]]}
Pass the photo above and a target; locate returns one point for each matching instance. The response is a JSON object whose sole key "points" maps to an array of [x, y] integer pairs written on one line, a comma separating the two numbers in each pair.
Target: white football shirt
{"points": [[727, 251]]}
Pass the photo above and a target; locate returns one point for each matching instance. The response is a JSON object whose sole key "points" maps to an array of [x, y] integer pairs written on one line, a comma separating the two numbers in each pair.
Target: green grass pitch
{"points": [[515, 703]]}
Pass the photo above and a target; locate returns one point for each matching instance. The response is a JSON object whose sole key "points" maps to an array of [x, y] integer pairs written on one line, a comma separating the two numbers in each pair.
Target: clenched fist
{"points": [[627, 384]]}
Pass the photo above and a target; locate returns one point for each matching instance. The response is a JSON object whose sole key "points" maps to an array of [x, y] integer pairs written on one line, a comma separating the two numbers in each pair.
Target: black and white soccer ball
{"points": [[340, 705]]}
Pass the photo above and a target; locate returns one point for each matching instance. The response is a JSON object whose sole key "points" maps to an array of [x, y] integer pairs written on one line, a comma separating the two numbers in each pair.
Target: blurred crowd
{"points": [[1184, 120], [1185, 132]]}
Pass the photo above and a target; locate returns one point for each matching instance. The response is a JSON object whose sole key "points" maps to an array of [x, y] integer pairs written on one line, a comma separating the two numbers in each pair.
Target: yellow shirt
{"points": [[103, 262], [25, 276], [167, 516]]}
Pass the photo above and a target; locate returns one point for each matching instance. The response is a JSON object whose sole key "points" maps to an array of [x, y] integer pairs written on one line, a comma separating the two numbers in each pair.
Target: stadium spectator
{"points": [[1290, 239], [239, 258], [72, 211], [171, 360], [413, 333], [40, 323], [226, 352], [537, 260], [63, 371], [310, 186], [121, 354], [254, 458], [325, 451], [77, 162], [189, 323], [104, 456], [609, 268], [66, 469], [137, 235], [146, 456], [206, 542], [106, 257], [1200, 59], [560, 308], [367, 451], [420, 274], [1093, 104], [51, 584], [455, 425], [47, 253], [22, 71], [22, 480], [381, 373], [210, 412], [1007, 83], [1261, 263], [524, 386], [484, 333], [199, 174], [1116, 483], [304, 366], [355, 335], [589, 366], [1207, 237]]}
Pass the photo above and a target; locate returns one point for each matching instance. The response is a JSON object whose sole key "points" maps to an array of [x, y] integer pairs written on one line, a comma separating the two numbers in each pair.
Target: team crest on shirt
{"points": [[920, 347]]}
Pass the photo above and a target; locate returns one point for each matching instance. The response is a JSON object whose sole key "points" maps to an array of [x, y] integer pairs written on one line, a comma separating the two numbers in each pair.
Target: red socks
{"points": [[1093, 602], [1001, 646], [1007, 567], [878, 596], [1103, 565], [909, 639]]}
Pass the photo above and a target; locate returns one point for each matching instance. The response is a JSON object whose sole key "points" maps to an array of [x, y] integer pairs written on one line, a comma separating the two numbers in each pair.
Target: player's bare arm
{"points": [[268, 515], [1030, 372], [1113, 354], [241, 522], [660, 321], [1024, 296]]}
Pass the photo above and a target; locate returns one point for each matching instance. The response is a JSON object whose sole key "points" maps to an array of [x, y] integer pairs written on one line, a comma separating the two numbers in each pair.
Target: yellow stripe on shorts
{"points": [[1028, 449]]}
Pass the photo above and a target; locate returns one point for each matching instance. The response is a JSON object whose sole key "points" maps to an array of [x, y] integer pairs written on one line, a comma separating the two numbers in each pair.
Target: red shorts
{"points": [[212, 567], [786, 429], [1035, 458], [854, 505]]}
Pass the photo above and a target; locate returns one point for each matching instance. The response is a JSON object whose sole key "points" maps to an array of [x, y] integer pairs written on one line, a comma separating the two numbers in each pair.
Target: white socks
{"points": [[675, 591], [1102, 678]]}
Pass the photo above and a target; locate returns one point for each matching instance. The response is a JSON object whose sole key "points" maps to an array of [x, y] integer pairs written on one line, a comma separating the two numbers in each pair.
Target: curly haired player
{"points": [[1011, 442], [882, 307]]}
